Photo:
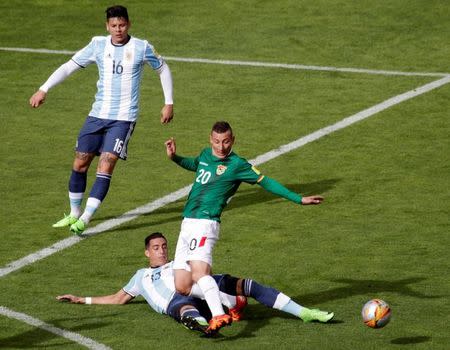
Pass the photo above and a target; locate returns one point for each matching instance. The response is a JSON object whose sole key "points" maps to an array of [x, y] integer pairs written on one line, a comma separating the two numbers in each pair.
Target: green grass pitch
{"points": [[382, 232]]}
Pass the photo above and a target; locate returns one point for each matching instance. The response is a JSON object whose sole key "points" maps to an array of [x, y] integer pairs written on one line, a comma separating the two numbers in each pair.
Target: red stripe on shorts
{"points": [[202, 241]]}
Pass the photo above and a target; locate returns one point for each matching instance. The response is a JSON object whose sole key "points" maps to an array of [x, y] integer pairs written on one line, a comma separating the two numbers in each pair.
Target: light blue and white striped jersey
{"points": [[120, 71], [156, 285]]}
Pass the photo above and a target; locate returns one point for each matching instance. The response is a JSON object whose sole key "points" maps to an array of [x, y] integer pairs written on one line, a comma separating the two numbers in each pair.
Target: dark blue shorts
{"points": [[104, 135], [173, 310]]}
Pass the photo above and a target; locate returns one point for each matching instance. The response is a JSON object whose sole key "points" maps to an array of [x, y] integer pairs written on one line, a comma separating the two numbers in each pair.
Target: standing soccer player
{"points": [[219, 172], [120, 59]]}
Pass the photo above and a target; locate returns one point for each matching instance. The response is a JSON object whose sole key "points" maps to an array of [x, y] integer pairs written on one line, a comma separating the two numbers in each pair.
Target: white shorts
{"points": [[196, 242]]}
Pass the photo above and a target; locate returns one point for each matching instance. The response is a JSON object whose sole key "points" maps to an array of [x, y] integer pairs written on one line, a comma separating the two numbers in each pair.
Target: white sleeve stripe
{"points": [[77, 63], [129, 293]]}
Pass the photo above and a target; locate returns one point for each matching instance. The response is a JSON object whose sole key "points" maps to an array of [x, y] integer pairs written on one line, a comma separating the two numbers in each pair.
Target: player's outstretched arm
{"points": [[167, 87], [57, 77], [119, 298], [312, 200], [278, 189]]}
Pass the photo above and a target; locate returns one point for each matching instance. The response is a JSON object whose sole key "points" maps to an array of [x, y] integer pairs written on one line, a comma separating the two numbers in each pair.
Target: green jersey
{"points": [[216, 180]]}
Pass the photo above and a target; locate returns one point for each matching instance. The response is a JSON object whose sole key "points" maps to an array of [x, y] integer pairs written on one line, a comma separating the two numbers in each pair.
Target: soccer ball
{"points": [[376, 313]]}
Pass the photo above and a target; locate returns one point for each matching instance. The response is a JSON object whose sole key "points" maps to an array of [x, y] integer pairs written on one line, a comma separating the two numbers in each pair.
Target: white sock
{"points": [[75, 203], [91, 206], [226, 299], [196, 292], [211, 292], [286, 304]]}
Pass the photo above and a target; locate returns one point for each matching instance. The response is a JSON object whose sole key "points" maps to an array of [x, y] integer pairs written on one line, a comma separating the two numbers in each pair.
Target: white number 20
{"points": [[203, 176]]}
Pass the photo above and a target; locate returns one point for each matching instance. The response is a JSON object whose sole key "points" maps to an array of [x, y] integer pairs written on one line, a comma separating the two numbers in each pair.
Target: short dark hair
{"points": [[117, 11], [153, 236], [221, 127]]}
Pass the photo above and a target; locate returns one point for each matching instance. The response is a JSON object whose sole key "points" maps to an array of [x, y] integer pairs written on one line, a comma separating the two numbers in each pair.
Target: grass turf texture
{"points": [[382, 231]]}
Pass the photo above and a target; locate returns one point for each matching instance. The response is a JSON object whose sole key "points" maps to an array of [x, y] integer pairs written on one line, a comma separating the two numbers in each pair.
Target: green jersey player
{"points": [[219, 172]]}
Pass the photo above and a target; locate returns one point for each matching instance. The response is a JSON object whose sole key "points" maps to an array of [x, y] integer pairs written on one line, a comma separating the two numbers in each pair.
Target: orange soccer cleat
{"points": [[236, 312], [217, 322]]}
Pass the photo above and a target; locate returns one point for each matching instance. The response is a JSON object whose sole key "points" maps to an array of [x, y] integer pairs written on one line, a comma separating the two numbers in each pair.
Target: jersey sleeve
{"points": [[278, 189], [246, 172], [86, 55], [133, 287], [186, 163], [151, 57]]}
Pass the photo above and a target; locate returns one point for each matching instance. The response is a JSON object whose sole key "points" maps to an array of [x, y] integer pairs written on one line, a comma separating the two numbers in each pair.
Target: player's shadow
{"points": [[363, 287], [246, 196], [257, 316], [410, 340], [38, 338]]}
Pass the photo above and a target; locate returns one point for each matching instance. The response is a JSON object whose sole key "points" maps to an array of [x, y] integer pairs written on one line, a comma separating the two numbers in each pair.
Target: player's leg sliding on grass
{"points": [[267, 296]]}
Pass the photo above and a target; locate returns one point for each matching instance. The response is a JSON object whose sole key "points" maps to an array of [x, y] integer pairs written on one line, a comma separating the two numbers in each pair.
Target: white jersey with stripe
{"points": [[156, 285], [120, 70]]}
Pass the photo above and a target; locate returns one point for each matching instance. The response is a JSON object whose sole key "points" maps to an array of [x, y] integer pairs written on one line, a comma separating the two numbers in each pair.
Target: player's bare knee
{"points": [[196, 275], [183, 288], [82, 161], [107, 162]]}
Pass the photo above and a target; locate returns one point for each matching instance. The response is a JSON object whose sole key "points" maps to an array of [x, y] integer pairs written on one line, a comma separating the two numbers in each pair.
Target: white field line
{"points": [[174, 196], [351, 120], [77, 338], [251, 64], [303, 67]]}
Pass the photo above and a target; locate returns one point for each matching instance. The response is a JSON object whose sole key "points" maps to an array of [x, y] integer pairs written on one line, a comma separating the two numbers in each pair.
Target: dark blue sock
{"points": [[101, 186], [77, 182], [265, 295]]}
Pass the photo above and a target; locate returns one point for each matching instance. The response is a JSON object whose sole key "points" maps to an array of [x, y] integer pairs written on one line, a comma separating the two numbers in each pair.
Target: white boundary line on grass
{"points": [[77, 338], [172, 197], [251, 64]]}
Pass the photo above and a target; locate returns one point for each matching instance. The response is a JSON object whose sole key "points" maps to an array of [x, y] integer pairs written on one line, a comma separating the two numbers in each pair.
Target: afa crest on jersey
{"points": [[221, 169]]}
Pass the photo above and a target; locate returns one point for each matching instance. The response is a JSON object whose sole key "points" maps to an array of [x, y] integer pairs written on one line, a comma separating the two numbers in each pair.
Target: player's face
{"points": [[221, 143], [118, 28], [157, 252]]}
